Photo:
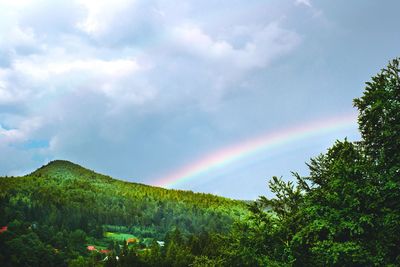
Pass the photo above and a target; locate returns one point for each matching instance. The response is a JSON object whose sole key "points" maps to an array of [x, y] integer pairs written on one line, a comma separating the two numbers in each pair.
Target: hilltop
{"points": [[67, 172], [65, 182]]}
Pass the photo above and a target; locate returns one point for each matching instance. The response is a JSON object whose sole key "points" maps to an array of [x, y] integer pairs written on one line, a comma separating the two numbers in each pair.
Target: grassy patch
{"points": [[118, 236]]}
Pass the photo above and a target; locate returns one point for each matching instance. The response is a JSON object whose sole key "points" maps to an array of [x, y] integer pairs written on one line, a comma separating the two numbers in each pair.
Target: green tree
{"points": [[379, 123], [77, 239], [379, 117], [78, 262], [346, 212]]}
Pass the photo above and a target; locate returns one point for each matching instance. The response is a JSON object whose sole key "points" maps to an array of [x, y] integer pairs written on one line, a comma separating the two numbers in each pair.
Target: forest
{"points": [[346, 212]]}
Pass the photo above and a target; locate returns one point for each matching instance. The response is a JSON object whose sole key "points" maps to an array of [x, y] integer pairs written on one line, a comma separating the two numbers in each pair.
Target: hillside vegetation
{"points": [[62, 199]]}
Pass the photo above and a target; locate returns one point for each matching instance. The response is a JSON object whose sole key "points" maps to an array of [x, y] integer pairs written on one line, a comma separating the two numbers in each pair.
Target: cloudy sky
{"points": [[140, 90]]}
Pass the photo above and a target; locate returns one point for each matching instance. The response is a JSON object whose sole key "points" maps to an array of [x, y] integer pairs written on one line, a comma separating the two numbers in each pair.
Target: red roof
{"points": [[131, 240], [3, 229], [91, 248], [105, 251]]}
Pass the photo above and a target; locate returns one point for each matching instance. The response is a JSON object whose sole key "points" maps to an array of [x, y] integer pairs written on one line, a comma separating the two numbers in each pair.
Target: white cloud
{"points": [[10, 92], [16, 4], [41, 75], [304, 2], [193, 38], [101, 15], [40, 70], [262, 47], [5, 95], [11, 135], [15, 38], [22, 133]]}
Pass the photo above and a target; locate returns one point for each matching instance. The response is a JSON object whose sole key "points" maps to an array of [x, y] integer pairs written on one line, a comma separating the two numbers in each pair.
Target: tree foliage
{"points": [[346, 212]]}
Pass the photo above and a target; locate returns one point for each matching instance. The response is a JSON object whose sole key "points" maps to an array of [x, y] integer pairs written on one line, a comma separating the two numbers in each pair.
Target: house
{"points": [[105, 251], [131, 240], [91, 248], [3, 229]]}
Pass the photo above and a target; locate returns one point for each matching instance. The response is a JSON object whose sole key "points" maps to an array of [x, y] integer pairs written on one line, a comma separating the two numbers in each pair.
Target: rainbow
{"points": [[229, 154]]}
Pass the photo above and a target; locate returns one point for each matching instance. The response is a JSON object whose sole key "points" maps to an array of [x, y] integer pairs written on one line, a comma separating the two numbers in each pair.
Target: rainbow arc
{"points": [[269, 140]]}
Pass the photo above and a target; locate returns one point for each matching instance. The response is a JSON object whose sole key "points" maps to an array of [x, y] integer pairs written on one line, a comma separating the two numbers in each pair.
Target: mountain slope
{"points": [[63, 211], [90, 198]]}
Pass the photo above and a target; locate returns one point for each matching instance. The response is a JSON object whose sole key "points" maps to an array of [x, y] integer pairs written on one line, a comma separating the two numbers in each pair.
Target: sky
{"points": [[146, 90]]}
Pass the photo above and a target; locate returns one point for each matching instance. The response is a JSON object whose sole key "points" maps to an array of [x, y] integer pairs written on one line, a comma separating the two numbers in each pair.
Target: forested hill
{"points": [[70, 173], [61, 198], [62, 187]]}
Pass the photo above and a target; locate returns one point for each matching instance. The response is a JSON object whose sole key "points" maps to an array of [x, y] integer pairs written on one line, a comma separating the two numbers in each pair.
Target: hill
{"points": [[69, 208]]}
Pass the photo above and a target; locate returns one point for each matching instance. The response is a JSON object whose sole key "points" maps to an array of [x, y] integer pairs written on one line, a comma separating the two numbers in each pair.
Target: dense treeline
{"points": [[345, 213]]}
